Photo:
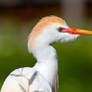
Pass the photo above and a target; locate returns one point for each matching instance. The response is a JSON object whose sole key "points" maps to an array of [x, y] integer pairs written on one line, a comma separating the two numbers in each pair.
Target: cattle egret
{"points": [[43, 76]]}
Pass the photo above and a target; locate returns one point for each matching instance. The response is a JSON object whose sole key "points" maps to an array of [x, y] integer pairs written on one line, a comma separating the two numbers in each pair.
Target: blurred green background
{"points": [[17, 18]]}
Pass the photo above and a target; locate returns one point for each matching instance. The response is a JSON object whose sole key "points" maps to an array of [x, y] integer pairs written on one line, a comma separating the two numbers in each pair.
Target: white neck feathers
{"points": [[46, 63]]}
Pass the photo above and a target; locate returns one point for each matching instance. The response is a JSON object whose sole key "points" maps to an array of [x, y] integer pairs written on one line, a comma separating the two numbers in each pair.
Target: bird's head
{"points": [[52, 29]]}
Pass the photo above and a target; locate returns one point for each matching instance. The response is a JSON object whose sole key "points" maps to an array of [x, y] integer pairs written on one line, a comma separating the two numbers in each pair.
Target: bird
{"points": [[43, 76]]}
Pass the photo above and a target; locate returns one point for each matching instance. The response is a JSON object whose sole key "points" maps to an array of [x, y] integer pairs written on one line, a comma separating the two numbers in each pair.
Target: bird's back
{"points": [[26, 80]]}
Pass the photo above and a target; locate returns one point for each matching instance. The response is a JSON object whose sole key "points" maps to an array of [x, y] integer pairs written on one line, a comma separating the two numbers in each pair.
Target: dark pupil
{"points": [[60, 29]]}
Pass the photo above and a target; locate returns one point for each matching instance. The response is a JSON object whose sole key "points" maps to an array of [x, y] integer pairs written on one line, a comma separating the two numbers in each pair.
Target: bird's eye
{"points": [[60, 29]]}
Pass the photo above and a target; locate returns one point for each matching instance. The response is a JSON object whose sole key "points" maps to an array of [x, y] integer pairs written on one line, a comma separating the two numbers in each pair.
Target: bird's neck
{"points": [[46, 62]]}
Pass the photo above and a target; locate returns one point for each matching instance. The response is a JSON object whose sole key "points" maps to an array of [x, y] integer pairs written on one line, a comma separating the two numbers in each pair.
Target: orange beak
{"points": [[77, 31]]}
